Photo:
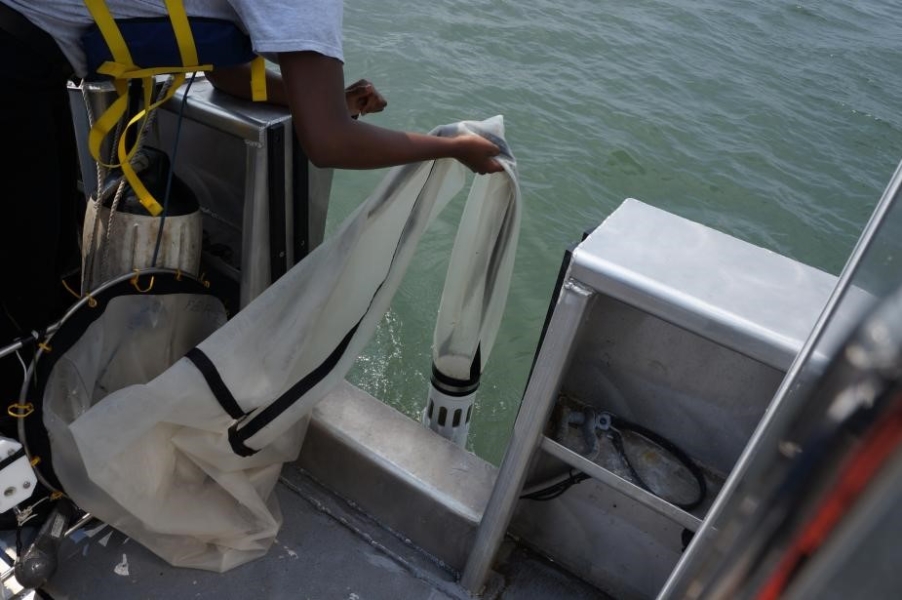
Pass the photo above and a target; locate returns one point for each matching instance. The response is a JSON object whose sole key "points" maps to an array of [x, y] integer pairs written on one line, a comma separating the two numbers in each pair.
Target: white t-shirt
{"points": [[273, 25]]}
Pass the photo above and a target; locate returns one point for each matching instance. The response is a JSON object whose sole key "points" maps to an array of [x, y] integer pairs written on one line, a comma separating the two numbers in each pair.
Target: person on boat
{"points": [[43, 44]]}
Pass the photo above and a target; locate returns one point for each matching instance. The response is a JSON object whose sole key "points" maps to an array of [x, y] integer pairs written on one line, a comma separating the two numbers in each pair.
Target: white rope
{"points": [[104, 262], [90, 111]]}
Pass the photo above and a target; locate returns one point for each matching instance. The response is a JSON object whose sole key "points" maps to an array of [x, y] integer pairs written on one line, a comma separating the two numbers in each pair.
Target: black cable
{"points": [[553, 491], [169, 176]]}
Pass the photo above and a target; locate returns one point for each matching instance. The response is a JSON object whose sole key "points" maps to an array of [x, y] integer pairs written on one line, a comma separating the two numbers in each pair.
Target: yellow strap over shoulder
{"points": [[182, 28], [122, 69], [258, 79]]}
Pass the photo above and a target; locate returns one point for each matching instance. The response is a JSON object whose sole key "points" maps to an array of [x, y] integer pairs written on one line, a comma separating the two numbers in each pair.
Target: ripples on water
{"points": [[778, 123]]}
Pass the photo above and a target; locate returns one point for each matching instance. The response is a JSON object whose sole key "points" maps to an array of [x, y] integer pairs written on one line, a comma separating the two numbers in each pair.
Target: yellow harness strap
{"points": [[122, 69]]}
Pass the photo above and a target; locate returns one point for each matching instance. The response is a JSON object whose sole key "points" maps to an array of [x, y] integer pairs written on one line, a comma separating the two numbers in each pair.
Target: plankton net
{"points": [[172, 425]]}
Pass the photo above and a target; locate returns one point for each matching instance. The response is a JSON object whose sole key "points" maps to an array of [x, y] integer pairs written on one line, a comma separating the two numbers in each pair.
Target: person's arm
{"points": [[312, 87], [361, 97], [236, 81]]}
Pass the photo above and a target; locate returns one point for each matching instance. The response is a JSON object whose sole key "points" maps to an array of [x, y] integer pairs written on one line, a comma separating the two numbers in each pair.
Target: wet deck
{"points": [[327, 550]]}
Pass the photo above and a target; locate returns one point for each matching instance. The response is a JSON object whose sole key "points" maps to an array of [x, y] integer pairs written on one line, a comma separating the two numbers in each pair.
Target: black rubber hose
{"points": [[553, 491]]}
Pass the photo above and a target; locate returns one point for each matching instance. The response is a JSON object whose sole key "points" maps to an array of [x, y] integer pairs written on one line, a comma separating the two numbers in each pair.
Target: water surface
{"points": [[778, 123]]}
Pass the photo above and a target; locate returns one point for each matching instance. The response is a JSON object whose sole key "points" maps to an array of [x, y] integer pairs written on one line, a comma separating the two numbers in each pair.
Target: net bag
{"points": [[126, 331], [185, 458]]}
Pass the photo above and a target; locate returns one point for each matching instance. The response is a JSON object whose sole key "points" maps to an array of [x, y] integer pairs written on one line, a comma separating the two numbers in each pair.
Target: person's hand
{"points": [[362, 99], [477, 153]]}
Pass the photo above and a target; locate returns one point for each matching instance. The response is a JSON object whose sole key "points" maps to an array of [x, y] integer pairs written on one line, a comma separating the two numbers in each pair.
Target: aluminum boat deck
{"points": [[327, 549]]}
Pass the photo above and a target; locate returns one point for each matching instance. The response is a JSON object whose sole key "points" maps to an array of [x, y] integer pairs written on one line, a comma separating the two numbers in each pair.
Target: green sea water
{"points": [[779, 123]]}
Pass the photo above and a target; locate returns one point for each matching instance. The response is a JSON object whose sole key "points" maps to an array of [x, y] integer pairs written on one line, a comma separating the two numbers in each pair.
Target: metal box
{"points": [[680, 329]]}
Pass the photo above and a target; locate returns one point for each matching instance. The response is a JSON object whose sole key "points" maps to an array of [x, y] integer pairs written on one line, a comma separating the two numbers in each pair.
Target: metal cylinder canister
{"points": [[130, 239]]}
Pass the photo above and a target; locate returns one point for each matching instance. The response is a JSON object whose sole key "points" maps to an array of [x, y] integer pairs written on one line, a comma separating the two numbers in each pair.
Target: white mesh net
{"points": [[186, 461]]}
